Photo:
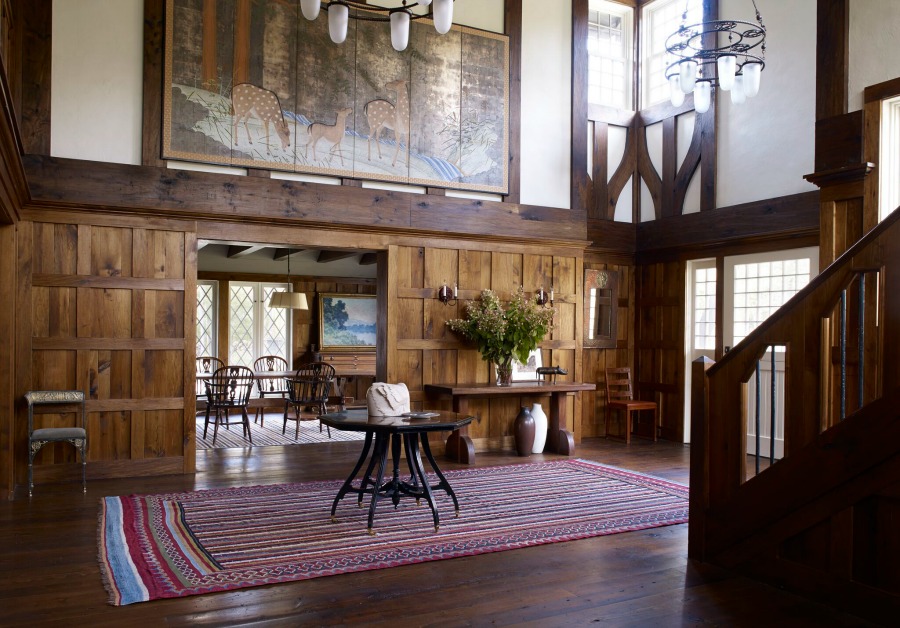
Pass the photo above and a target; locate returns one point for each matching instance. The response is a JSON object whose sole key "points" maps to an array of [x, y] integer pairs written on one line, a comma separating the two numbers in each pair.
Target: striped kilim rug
{"points": [[269, 434], [162, 546]]}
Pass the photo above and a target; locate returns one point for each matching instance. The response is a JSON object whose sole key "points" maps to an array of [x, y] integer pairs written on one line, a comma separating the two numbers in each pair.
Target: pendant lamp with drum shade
{"points": [[289, 299]]}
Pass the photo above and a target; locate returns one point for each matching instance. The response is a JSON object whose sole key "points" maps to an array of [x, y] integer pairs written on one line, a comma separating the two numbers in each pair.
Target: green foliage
{"points": [[501, 334], [335, 314]]}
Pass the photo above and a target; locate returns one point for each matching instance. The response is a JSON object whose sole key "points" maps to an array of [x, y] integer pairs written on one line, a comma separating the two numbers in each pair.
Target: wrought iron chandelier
{"points": [[339, 16], [729, 54]]}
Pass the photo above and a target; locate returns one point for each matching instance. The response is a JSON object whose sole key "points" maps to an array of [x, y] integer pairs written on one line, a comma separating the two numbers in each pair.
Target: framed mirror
{"points": [[601, 295]]}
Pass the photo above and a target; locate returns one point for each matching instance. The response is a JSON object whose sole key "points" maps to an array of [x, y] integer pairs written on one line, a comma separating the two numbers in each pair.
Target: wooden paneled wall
{"points": [[422, 350], [596, 361], [108, 307]]}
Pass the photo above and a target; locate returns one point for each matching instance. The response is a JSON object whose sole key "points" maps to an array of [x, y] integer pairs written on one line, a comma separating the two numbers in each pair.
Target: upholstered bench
{"points": [[37, 438]]}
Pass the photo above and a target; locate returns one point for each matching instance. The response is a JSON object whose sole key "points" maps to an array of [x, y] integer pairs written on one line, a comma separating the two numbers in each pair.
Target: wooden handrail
{"points": [[804, 326]]}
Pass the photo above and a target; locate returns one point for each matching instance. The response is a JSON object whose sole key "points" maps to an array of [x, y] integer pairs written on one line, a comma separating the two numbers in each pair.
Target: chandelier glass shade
{"points": [[339, 17], [728, 54]]}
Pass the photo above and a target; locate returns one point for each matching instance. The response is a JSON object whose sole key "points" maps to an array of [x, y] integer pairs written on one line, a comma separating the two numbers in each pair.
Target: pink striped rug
{"points": [[172, 545]]}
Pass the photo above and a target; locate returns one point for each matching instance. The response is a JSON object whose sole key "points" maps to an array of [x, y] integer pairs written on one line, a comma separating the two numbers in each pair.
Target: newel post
{"points": [[699, 491]]}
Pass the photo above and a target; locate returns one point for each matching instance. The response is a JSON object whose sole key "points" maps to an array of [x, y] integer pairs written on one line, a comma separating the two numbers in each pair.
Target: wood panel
{"points": [[99, 325], [160, 192], [658, 372], [422, 350], [832, 57], [34, 120]]}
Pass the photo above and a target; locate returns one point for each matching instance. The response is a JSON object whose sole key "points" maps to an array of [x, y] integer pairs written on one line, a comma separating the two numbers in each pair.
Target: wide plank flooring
{"points": [[49, 574]]}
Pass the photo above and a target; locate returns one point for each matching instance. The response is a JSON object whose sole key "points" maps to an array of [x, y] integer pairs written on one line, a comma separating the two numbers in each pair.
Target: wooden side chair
{"points": [[38, 437], [228, 388], [206, 366], [309, 387], [620, 396], [269, 387]]}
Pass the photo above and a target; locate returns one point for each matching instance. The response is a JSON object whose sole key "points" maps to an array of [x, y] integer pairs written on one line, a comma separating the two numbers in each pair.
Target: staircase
{"points": [[824, 519]]}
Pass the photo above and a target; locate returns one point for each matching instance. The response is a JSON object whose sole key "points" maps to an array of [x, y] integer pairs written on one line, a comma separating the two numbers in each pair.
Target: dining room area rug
{"points": [[179, 544], [269, 434]]}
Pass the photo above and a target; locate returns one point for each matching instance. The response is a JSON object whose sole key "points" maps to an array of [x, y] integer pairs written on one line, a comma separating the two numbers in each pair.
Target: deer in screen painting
{"points": [[333, 133], [381, 114], [249, 100]]}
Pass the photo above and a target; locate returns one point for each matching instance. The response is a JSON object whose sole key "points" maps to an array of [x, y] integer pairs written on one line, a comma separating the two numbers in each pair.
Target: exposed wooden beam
{"points": [[283, 254], [368, 259], [333, 256], [243, 251]]}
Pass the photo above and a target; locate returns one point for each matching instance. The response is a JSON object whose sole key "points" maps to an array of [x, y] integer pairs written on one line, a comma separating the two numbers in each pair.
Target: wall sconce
{"points": [[542, 297], [446, 296]]}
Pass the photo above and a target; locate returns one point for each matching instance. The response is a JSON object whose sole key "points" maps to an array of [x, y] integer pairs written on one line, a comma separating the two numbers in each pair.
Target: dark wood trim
{"points": [[67, 184], [880, 91], [580, 182], [208, 275], [627, 171], [610, 237], [832, 55], [647, 173], [34, 113], [13, 185], [154, 42], [794, 217], [513, 27], [600, 171], [837, 176], [669, 167]]}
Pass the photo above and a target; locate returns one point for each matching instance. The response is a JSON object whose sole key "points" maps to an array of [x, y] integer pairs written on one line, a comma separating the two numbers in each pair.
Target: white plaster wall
{"points": [[546, 102], [874, 46], [96, 80], [766, 144]]}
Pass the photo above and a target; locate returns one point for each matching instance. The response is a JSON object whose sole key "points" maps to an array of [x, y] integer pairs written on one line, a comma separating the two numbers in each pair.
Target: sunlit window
{"points": [[763, 287], [659, 20], [705, 308], [610, 63], [255, 329], [889, 166]]}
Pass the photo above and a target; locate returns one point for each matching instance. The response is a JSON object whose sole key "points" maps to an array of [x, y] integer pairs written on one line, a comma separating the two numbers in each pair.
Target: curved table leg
{"points": [[443, 483], [381, 452], [426, 487], [348, 483]]}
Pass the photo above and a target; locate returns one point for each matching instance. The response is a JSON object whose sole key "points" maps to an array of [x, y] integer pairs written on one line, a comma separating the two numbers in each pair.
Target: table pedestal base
{"points": [[416, 486]]}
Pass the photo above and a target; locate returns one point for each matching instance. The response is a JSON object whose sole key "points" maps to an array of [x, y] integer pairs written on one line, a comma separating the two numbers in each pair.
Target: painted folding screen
{"points": [[252, 83]]}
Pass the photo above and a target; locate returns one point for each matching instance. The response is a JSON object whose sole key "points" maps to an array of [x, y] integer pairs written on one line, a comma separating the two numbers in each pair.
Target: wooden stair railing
{"points": [[829, 464]]}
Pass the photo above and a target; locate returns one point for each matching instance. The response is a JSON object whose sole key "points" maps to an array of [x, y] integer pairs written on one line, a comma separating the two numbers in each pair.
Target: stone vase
{"points": [[523, 429], [540, 428]]}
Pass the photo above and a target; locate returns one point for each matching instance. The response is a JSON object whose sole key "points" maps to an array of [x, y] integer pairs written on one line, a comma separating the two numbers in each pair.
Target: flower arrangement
{"points": [[503, 334]]}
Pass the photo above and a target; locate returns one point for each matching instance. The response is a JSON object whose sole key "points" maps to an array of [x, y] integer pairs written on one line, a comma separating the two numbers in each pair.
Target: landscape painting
{"points": [[347, 321], [251, 83]]}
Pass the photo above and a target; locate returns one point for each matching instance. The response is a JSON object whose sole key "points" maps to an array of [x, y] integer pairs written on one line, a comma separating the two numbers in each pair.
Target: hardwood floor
{"points": [[50, 575]]}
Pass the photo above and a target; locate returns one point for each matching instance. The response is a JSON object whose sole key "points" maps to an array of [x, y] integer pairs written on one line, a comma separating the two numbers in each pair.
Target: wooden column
{"points": [[242, 42], [209, 75]]}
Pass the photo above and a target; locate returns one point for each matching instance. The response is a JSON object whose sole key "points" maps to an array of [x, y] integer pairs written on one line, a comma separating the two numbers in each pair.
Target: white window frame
{"points": [[889, 158], [626, 13], [654, 87], [258, 320]]}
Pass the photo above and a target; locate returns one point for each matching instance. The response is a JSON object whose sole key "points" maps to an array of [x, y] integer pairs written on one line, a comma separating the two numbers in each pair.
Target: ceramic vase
{"points": [[540, 428], [523, 429]]}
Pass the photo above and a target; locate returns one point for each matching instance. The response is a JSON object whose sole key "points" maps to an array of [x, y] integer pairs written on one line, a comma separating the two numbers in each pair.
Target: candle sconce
{"points": [[542, 297], [447, 296]]}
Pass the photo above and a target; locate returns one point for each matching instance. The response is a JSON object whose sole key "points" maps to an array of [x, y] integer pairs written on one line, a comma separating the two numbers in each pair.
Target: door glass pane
{"points": [[275, 329]]}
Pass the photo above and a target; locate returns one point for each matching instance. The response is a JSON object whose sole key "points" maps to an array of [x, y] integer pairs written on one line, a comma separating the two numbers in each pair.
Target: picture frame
{"points": [[527, 372], [347, 322]]}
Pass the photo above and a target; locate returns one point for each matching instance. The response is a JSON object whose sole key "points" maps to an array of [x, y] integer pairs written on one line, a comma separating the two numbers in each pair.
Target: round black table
{"points": [[394, 430]]}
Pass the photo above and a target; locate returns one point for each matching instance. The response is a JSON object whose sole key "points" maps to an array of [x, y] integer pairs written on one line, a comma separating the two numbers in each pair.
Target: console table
{"points": [[559, 440]]}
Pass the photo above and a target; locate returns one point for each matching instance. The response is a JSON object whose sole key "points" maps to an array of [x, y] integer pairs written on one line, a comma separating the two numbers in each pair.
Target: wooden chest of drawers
{"points": [[349, 364]]}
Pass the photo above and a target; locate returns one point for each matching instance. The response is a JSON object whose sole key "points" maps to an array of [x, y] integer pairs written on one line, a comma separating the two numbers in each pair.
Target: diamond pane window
{"points": [[207, 291], [255, 329], [241, 305]]}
